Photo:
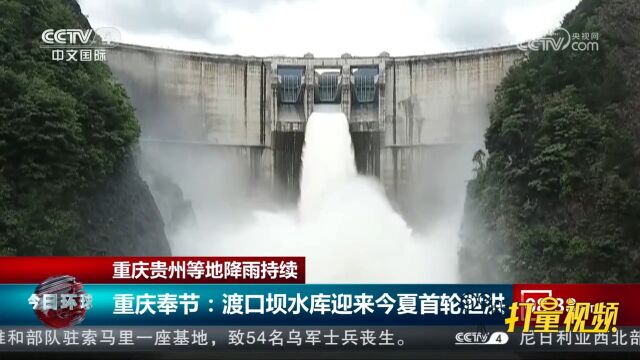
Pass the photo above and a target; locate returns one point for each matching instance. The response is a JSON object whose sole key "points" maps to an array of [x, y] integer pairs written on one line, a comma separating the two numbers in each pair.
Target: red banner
{"points": [[139, 269]]}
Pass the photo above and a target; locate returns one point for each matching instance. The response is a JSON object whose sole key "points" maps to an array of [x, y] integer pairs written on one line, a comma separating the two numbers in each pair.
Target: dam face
{"points": [[410, 118]]}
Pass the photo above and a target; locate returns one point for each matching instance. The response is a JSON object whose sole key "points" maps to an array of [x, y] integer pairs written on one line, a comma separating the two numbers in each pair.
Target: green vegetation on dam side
{"points": [[556, 198], [67, 184]]}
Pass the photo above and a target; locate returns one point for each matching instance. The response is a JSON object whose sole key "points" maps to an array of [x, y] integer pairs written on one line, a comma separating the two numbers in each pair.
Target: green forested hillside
{"points": [[556, 198], [65, 127]]}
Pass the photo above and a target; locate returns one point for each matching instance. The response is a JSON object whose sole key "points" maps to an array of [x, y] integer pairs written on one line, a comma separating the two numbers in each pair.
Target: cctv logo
{"points": [[66, 36], [481, 338], [103, 37]]}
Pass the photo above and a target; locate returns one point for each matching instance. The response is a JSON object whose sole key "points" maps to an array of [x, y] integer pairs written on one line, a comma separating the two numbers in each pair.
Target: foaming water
{"points": [[327, 161], [344, 224]]}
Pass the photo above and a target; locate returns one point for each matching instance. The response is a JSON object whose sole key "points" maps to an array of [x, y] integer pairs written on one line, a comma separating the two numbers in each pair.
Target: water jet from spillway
{"points": [[327, 159], [344, 224]]}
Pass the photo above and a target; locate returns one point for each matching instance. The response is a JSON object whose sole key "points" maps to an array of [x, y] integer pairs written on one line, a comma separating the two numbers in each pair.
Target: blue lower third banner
{"points": [[239, 305], [61, 314]]}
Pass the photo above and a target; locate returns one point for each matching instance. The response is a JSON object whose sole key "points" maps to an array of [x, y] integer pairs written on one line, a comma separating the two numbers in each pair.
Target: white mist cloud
{"points": [[344, 225]]}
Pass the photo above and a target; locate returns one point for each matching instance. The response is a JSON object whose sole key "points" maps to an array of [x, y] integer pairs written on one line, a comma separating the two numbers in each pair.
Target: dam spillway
{"points": [[403, 112], [344, 224]]}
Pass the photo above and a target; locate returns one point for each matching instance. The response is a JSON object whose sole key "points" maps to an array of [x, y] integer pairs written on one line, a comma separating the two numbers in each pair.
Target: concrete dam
{"points": [[415, 121]]}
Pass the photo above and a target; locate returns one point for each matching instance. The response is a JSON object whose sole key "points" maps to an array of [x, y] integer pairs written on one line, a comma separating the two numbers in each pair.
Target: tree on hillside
{"points": [[557, 198], [64, 127]]}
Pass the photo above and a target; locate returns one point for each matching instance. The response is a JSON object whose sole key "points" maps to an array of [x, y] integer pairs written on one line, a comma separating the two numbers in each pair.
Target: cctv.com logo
{"points": [[481, 338], [562, 39]]}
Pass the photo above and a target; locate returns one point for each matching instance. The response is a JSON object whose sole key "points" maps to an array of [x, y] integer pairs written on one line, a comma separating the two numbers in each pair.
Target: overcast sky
{"points": [[327, 27]]}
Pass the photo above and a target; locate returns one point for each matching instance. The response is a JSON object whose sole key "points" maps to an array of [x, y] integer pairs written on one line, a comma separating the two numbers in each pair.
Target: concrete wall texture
{"points": [[232, 101]]}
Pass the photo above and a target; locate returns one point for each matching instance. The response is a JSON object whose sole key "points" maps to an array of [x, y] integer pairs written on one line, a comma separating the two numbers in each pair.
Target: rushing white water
{"points": [[344, 224], [327, 161]]}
